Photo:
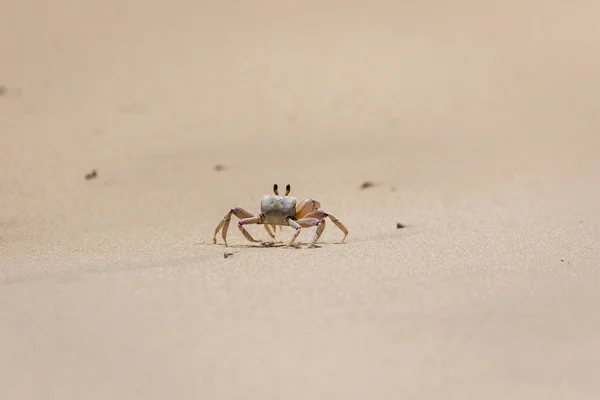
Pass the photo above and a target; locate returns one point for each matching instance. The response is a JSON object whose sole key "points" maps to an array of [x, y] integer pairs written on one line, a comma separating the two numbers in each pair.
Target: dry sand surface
{"points": [[478, 122]]}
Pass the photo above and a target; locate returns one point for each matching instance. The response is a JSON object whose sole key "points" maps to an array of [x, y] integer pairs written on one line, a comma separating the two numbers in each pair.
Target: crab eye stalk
{"points": [[287, 189], [275, 189]]}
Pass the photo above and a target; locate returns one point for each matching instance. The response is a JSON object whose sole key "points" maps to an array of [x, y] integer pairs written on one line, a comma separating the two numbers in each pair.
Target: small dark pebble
{"points": [[399, 225], [225, 255], [562, 260], [219, 167], [91, 175], [366, 185]]}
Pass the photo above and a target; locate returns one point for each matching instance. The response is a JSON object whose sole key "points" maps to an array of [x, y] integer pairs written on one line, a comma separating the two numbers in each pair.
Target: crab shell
{"points": [[275, 210]]}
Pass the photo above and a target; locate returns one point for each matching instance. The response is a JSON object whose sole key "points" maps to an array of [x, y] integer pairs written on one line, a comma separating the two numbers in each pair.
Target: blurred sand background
{"points": [[477, 120]]}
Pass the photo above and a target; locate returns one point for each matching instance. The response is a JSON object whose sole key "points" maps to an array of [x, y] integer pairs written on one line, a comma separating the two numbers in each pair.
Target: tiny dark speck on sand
{"points": [[3, 90], [219, 167], [225, 255], [399, 225], [91, 175], [366, 185]]}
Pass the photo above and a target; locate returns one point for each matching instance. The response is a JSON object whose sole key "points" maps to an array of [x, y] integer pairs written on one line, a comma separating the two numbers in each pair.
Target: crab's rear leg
{"points": [[319, 214], [248, 221], [254, 220], [224, 224]]}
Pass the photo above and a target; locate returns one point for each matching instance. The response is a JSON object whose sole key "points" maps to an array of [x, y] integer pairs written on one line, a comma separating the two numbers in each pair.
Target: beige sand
{"points": [[478, 122]]}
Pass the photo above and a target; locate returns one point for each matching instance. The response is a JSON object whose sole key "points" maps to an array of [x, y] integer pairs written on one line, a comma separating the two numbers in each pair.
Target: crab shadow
{"points": [[280, 245]]}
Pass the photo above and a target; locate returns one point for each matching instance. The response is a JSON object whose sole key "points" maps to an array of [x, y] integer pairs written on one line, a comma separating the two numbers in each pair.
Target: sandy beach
{"points": [[477, 124]]}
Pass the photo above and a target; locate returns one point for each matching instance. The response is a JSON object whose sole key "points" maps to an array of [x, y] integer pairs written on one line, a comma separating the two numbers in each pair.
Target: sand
{"points": [[476, 121]]}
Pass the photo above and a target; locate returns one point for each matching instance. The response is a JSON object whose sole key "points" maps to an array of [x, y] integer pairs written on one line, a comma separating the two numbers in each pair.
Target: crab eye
{"points": [[275, 187], [287, 189]]}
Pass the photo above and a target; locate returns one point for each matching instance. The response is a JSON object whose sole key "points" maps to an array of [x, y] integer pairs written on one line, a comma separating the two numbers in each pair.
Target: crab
{"points": [[277, 210]]}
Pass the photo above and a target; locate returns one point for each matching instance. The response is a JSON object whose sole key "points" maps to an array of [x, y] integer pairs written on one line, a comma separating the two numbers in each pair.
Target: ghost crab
{"points": [[283, 211]]}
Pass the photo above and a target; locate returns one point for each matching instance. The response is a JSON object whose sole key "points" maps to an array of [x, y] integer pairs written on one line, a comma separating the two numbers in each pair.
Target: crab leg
{"points": [[319, 214], [271, 232], [306, 223], [297, 227], [238, 212], [319, 223], [254, 220], [248, 221]]}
